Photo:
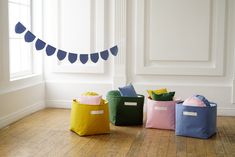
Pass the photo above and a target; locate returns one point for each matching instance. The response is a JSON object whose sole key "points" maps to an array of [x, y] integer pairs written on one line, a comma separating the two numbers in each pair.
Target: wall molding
{"points": [[212, 92], [58, 104], [222, 111], [120, 31], [232, 6], [4, 48], [233, 92], [17, 86], [2, 39], [212, 67], [63, 92], [66, 104], [6, 120], [183, 91], [15, 116]]}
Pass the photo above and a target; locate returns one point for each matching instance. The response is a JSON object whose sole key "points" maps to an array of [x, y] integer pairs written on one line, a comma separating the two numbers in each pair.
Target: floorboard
{"points": [[46, 134]]}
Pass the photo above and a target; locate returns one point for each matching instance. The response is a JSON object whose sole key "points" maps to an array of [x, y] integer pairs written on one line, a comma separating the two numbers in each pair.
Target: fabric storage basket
{"points": [[124, 111], [89, 119], [199, 122], [160, 114]]}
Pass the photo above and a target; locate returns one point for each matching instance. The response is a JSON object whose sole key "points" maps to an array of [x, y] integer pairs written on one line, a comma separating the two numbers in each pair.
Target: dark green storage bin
{"points": [[124, 111]]}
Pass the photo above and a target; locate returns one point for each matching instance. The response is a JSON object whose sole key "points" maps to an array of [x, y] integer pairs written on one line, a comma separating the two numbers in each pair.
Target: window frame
{"points": [[31, 69]]}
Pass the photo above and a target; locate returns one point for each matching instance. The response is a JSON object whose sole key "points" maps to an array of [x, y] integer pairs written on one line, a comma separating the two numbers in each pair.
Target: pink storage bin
{"points": [[160, 114], [90, 100]]}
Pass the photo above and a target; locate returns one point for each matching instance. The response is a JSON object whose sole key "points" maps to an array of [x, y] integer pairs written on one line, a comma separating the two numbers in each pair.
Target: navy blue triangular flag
{"points": [[94, 57], [72, 57], [114, 50], [40, 44], [83, 58], [104, 54], [61, 54], [50, 50], [19, 28], [29, 37]]}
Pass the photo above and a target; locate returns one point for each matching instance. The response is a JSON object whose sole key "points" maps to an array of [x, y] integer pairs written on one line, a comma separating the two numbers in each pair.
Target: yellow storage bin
{"points": [[89, 119]]}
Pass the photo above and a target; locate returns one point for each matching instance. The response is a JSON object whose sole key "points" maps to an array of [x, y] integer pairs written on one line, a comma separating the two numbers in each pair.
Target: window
{"points": [[20, 53]]}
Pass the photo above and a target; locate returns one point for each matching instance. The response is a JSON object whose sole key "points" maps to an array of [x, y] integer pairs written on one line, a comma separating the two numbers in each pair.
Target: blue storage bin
{"points": [[199, 122]]}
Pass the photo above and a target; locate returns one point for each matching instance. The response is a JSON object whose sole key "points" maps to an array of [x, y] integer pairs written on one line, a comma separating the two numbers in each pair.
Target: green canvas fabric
{"points": [[163, 97], [121, 114], [113, 93]]}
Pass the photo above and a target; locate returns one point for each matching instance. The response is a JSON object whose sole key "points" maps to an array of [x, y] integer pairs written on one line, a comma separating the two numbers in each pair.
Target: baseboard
{"points": [[13, 117], [58, 103], [226, 111], [221, 111]]}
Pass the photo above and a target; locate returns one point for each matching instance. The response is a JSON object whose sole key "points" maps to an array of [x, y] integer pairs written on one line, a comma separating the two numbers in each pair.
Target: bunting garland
{"points": [[61, 55], [50, 50], [94, 57]]}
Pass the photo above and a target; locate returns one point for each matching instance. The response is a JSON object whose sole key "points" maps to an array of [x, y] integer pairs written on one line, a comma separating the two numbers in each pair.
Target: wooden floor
{"points": [[45, 134]]}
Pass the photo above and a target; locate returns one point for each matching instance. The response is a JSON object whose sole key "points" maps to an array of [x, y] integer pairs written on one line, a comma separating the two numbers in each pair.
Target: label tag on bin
{"points": [[160, 108], [186, 113], [130, 103], [97, 112]]}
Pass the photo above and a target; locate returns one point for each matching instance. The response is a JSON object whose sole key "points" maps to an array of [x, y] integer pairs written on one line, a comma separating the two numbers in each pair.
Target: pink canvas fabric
{"points": [[90, 100], [160, 114]]}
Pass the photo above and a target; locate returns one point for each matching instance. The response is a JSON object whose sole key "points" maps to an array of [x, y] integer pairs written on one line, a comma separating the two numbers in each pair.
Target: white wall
{"points": [[19, 103], [81, 27], [20, 97], [187, 46], [184, 45]]}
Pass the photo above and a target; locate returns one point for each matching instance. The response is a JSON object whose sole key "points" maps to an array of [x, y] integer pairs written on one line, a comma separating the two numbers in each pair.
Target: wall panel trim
{"points": [[214, 66], [120, 31]]}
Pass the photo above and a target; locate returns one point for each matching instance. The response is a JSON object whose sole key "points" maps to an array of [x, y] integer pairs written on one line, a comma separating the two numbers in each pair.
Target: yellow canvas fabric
{"points": [[157, 91], [89, 119]]}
